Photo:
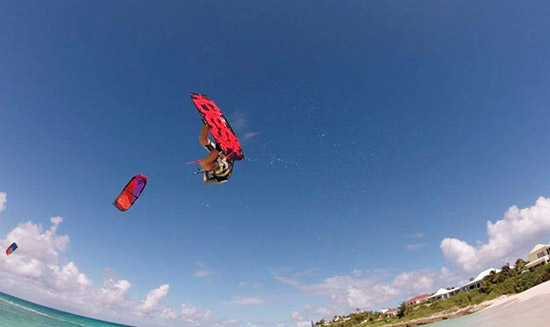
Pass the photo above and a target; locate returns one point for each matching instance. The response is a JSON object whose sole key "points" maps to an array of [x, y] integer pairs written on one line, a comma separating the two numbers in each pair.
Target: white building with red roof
{"points": [[418, 299], [392, 312]]}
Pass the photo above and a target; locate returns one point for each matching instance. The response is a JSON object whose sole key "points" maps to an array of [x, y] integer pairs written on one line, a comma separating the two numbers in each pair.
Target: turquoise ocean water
{"points": [[466, 321], [15, 312]]}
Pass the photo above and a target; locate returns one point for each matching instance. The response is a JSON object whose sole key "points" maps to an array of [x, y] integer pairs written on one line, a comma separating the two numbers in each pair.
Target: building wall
{"points": [[539, 253]]}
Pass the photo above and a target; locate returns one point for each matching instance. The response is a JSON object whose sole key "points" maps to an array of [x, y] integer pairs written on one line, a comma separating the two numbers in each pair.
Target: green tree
{"points": [[506, 272], [404, 309], [520, 266]]}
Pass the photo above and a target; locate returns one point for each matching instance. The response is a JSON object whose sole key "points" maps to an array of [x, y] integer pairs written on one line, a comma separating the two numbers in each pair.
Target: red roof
{"points": [[420, 297], [390, 311]]}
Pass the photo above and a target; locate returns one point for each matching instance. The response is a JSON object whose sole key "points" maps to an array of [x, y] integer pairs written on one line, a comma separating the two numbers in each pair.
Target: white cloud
{"points": [[299, 320], [3, 201], [358, 298], [257, 285], [460, 253], [168, 314], [448, 277], [37, 271], [246, 301], [347, 292], [416, 281], [34, 272], [508, 238], [56, 220], [115, 290], [226, 323], [154, 298], [204, 273], [325, 312], [192, 314]]}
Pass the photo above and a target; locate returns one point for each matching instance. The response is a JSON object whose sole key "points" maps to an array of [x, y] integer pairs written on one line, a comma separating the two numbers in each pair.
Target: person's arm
{"points": [[208, 161]]}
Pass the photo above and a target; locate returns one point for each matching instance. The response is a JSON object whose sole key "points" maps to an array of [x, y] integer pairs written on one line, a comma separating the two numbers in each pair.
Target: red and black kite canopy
{"points": [[221, 131]]}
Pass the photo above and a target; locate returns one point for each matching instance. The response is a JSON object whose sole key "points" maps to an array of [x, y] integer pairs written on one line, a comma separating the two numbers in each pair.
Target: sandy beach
{"points": [[442, 316], [523, 309], [529, 309]]}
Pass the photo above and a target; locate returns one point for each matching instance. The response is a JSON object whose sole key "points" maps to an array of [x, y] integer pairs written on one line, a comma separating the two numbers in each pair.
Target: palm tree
{"points": [[520, 265], [506, 271]]}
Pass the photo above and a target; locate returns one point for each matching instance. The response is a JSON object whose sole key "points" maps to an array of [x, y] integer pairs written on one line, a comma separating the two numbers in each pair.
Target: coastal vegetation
{"points": [[508, 281]]}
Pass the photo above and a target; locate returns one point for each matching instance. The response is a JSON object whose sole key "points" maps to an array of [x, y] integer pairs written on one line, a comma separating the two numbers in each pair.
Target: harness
{"points": [[221, 173], [223, 166]]}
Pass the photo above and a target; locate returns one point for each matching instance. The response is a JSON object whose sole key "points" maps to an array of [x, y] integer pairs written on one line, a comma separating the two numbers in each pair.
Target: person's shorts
{"points": [[211, 146]]}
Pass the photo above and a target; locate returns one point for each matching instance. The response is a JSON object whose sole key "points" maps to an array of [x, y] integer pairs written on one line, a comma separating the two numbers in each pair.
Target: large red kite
{"points": [[130, 193]]}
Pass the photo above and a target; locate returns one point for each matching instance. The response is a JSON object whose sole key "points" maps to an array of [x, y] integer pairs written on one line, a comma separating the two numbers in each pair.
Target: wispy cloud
{"points": [[251, 135], [240, 122], [205, 273], [346, 291], [418, 235], [246, 301], [3, 201], [415, 246]]}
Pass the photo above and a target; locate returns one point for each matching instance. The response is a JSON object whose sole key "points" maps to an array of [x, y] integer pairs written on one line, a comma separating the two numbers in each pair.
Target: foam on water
{"points": [[41, 313], [15, 312]]}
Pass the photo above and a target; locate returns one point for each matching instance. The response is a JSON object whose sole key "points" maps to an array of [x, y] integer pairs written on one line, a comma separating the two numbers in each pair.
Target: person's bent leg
{"points": [[203, 137]]}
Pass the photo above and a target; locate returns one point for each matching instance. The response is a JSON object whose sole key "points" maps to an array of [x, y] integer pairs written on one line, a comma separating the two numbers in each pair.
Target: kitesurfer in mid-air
{"points": [[217, 167]]}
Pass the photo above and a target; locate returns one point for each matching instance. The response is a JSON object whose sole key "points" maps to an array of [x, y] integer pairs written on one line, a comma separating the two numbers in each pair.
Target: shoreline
{"points": [[502, 302], [444, 315]]}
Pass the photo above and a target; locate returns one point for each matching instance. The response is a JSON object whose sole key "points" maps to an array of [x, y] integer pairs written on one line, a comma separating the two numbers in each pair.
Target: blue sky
{"points": [[363, 123]]}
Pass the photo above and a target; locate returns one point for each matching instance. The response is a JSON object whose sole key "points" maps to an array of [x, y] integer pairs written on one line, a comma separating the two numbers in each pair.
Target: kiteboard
{"points": [[220, 129]]}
